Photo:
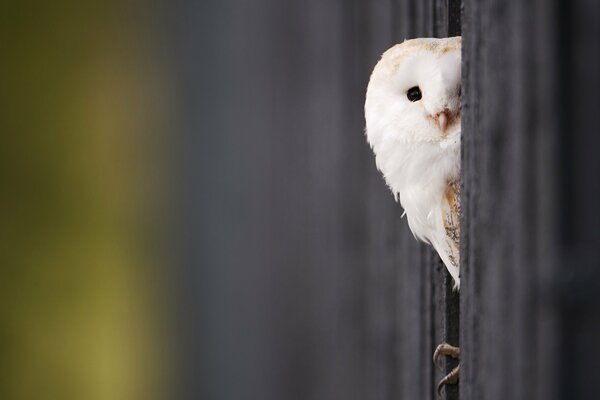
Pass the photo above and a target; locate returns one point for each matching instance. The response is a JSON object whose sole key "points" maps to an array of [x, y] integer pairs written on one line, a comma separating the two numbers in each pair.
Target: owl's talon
{"points": [[450, 379], [445, 349]]}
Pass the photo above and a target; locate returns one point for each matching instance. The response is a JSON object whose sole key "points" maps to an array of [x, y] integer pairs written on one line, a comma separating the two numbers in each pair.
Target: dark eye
{"points": [[414, 94]]}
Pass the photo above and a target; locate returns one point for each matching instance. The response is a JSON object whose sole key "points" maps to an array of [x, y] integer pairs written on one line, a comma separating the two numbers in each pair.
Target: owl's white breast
{"points": [[418, 172]]}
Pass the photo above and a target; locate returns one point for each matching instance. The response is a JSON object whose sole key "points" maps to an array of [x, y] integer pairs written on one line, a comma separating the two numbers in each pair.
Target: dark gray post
{"points": [[530, 292]]}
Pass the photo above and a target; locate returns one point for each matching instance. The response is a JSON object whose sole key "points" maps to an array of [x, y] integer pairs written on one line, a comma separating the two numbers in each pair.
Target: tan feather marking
{"points": [[396, 54], [451, 220]]}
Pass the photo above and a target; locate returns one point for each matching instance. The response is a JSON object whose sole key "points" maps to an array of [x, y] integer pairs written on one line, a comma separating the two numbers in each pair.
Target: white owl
{"points": [[412, 112]]}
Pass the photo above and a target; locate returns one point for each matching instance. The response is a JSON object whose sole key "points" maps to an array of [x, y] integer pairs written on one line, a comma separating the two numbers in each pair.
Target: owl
{"points": [[412, 113]]}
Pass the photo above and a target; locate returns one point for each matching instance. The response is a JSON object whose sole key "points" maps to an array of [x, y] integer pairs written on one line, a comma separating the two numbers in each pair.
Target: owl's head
{"points": [[414, 93]]}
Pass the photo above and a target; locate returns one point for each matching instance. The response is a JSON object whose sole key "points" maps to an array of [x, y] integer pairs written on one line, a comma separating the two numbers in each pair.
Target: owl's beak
{"points": [[442, 120]]}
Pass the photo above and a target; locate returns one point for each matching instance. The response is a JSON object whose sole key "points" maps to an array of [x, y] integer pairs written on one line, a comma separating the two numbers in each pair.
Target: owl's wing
{"points": [[451, 222]]}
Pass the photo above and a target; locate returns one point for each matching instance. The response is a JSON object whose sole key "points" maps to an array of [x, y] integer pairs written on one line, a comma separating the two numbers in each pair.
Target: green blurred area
{"points": [[83, 102]]}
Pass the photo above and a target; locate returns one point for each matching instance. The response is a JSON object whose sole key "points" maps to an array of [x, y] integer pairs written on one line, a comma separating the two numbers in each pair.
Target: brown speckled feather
{"points": [[451, 218]]}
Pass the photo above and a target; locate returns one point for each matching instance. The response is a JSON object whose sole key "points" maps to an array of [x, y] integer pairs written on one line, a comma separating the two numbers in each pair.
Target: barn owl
{"points": [[412, 113]]}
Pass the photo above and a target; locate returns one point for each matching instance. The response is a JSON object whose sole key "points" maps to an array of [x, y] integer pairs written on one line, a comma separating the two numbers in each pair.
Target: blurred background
{"points": [[85, 100], [179, 217]]}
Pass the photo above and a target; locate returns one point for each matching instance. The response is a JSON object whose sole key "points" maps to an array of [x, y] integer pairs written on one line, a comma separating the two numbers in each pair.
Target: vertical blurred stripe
{"points": [[83, 106]]}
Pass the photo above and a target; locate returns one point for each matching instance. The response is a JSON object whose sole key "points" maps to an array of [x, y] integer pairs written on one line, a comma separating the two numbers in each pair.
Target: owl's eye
{"points": [[414, 94]]}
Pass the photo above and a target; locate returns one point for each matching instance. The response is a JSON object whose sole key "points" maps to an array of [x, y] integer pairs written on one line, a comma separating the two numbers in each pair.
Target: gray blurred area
{"points": [[290, 239]]}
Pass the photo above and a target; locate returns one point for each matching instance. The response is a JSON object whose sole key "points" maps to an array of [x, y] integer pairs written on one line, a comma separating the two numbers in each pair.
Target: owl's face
{"points": [[414, 93]]}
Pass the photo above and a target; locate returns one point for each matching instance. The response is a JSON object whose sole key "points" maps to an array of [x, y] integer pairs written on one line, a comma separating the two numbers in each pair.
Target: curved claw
{"points": [[450, 379], [444, 349]]}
